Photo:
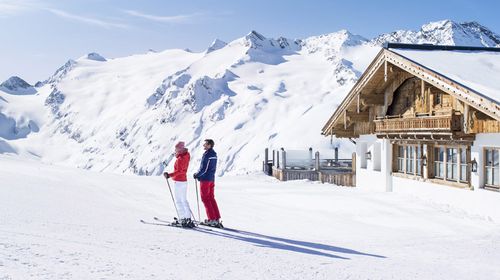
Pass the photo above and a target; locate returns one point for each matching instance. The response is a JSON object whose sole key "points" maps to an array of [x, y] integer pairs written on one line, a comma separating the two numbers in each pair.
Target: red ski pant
{"points": [[208, 198]]}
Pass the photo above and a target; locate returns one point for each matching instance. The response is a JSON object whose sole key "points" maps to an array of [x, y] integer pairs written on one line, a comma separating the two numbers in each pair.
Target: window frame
{"points": [[458, 164], [486, 167], [402, 162]]}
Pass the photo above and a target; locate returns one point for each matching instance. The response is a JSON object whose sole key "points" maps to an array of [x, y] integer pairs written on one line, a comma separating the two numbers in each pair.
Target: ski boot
{"points": [[187, 223], [175, 222], [215, 223]]}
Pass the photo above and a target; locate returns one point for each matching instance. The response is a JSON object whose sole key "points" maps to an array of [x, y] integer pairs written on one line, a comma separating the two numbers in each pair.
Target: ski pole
{"points": [[192, 215], [197, 199], [173, 200]]}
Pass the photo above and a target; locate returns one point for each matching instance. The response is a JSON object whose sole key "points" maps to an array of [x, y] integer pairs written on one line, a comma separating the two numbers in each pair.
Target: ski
{"points": [[205, 226], [165, 221], [196, 223], [175, 223], [220, 226], [162, 223]]}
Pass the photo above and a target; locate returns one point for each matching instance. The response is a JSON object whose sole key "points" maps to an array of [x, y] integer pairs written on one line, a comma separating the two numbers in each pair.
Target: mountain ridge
{"points": [[124, 114]]}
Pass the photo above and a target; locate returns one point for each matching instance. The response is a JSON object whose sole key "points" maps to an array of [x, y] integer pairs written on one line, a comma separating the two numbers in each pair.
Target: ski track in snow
{"points": [[63, 223]]}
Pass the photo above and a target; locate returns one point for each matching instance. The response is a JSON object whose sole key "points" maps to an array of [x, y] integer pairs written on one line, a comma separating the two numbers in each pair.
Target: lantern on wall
{"points": [[369, 155], [473, 165]]}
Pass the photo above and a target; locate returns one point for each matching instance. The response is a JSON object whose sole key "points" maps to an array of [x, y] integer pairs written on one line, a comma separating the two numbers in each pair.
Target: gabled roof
{"points": [[471, 74], [473, 67]]}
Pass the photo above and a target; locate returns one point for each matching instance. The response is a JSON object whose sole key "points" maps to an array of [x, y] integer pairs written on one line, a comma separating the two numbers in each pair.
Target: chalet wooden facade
{"points": [[425, 114]]}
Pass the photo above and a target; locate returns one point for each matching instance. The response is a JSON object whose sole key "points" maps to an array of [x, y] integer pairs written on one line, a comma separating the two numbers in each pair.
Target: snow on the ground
{"points": [[63, 223]]}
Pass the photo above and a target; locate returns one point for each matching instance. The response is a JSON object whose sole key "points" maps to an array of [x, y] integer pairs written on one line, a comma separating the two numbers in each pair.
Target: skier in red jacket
{"points": [[180, 184]]}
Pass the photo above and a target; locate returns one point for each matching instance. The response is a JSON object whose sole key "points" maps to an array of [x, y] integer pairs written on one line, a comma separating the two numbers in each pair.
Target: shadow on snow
{"points": [[286, 244]]}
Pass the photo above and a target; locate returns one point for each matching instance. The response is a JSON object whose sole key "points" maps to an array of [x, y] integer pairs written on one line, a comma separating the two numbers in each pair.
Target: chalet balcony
{"points": [[425, 124]]}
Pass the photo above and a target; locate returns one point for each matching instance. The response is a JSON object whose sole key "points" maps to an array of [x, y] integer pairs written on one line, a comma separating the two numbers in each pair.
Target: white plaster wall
{"points": [[386, 163], [374, 175], [360, 154], [483, 140]]}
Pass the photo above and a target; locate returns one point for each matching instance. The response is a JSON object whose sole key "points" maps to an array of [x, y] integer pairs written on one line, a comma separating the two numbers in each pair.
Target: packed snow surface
{"points": [[64, 223]]}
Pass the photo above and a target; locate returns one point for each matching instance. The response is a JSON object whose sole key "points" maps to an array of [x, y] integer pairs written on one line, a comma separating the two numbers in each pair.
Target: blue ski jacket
{"points": [[208, 166]]}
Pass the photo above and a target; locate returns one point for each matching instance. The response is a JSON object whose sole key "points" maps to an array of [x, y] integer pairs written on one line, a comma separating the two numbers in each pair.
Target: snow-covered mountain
{"points": [[16, 85], [445, 32], [125, 114]]}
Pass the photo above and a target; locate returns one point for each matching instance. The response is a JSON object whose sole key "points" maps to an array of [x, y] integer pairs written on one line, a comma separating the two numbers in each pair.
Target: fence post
{"points": [[336, 154], [316, 157], [283, 158], [311, 159], [278, 159]]}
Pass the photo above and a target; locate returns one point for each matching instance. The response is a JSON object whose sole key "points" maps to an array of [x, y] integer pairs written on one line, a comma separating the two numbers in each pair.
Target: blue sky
{"points": [[38, 36]]}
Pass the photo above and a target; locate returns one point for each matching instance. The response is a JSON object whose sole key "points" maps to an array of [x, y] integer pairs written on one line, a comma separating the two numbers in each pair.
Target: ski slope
{"points": [[64, 223]]}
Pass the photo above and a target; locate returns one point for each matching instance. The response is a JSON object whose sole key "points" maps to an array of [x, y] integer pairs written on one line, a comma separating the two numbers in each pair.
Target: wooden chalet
{"points": [[425, 114]]}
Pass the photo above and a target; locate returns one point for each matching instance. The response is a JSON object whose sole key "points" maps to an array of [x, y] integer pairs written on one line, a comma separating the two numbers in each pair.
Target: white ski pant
{"points": [[180, 191]]}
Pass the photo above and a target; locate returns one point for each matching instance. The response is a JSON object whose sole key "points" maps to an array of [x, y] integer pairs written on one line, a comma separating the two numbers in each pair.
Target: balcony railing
{"points": [[446, 123]]}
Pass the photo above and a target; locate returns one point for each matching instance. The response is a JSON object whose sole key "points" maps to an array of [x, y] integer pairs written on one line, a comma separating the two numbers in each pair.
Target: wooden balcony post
{"points": [[466, 118]]}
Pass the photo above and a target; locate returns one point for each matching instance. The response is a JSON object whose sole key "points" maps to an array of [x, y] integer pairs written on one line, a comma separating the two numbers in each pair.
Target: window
{"points": [[463, 165], [401, 159], [450, 163], [492, 167], [409, 159], [418, 162], [410, 154], [439, 162], [439, 98]]}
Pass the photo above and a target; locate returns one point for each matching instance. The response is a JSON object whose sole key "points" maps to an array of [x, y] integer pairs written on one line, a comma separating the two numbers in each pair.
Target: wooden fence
{"points": [[347, 179], [340, 179], [342, 174]]}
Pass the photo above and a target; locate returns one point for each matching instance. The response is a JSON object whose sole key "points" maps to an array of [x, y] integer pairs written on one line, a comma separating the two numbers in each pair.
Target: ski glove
{"points": [[195, 176], [166, 175]]}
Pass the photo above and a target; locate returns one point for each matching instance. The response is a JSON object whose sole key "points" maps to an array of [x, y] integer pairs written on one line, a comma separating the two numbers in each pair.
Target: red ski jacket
{"points": [[180, 167]]}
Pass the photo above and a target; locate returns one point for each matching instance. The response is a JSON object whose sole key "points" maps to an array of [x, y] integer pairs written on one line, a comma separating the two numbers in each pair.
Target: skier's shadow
{"points": [[286, 244]]}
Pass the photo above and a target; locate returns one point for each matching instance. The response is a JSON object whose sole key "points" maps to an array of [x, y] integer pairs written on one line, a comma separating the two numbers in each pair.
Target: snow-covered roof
{"points": [[469, 73], [478, 70]]}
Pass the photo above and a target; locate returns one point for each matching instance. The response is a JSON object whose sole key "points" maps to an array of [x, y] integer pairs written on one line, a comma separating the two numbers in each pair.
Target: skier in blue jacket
{"points": [[206, 176]]}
